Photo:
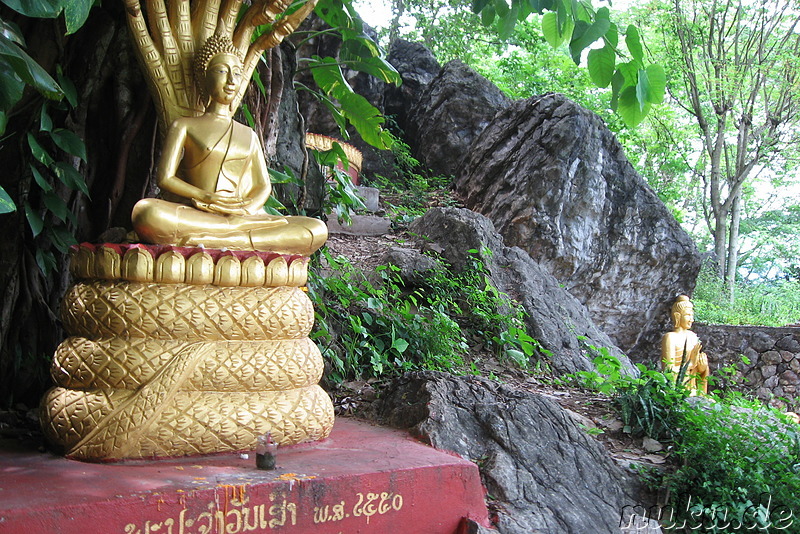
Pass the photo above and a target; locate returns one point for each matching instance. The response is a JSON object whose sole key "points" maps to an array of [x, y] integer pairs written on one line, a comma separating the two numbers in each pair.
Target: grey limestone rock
{"points": [[453, 110], [417, 67], [556, 183], [554, 317], [548, 475]]}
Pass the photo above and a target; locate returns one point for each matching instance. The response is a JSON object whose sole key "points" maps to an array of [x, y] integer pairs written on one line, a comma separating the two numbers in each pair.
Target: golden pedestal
{"points": [[176, 351]]}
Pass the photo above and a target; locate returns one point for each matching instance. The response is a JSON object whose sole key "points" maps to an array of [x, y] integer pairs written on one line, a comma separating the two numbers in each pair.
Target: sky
{"points": [[376, 13]]}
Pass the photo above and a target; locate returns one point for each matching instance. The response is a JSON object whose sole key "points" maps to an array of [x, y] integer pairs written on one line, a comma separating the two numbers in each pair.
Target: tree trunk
{"points": [[733, 247], [117, 128]]}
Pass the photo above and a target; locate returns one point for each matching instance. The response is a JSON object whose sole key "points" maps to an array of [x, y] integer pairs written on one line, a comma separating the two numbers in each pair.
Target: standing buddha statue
{"points": [[681, 349]]}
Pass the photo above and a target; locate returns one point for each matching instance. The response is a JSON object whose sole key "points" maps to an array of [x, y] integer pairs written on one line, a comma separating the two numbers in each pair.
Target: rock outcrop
{"points": [[556, 183], [544, 472], [417, 68], [553, 317], [454, 109]]}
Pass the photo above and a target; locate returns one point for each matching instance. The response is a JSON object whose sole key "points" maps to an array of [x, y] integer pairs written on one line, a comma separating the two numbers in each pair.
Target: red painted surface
{"points": [[363, 479]]}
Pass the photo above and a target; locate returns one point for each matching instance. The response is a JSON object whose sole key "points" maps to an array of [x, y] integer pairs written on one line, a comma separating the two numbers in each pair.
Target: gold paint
{"points": [[214, 179], [108, 263], [81, 262], [298, 273], [681, 347], [254, 272], [176, 369], [137, 265], [170, 268], [228, 271], [199, 269], [170, 356]]}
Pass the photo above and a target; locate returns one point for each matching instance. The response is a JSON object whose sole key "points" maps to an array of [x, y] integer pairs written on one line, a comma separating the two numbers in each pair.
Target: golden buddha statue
{"points": [[682, 349], [197, 340], [214, 178]]}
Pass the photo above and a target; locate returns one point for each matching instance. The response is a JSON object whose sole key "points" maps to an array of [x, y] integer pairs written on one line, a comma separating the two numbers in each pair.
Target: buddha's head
{"points": [[682, 313], [218, 70]]}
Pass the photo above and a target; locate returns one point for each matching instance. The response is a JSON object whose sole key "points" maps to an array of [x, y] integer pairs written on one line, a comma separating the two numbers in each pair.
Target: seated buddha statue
{"points": [[213, 176], [681, 347]]}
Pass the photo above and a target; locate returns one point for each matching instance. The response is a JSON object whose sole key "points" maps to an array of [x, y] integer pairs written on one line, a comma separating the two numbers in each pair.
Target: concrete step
{"points": [[362, 479]]}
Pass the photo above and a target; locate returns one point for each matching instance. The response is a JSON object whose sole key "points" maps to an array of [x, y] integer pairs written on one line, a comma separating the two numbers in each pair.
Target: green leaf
{"points": [[283, 177], [630, 72], [634, 44], [11, 31], [40, 9], [508, 22], [329, 77], [612, 36], [501, 8], [478, 5], [584, 34], [45, 260], [38, 152], [3, 121], [6, 203], [550, 29], [40, 180], [366, 119], [630, 109], [274, 206], [75, 14], [617, 83], [12, 87], [67, 87], [357, 55], [248, 116], [45, 122], [642, 88], [487, 15], [62, 238], [658, 84], [56, 205], [34, 220], [69, 142], [28, 70], [400, 345], [337, 115], [600, 63], [70, 177]]}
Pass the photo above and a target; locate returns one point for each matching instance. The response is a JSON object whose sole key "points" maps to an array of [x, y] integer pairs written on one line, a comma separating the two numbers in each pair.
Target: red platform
{"points": [[363, 479]]}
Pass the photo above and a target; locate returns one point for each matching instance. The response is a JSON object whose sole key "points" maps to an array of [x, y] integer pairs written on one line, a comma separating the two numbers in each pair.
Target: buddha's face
{"points": [[223, 76], [686, 320]]}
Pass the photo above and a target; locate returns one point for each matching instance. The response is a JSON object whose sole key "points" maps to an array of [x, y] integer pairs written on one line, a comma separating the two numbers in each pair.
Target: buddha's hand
{"points": [[702, 362], [224, 205]]}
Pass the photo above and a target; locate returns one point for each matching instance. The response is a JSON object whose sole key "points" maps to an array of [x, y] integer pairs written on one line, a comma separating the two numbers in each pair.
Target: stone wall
{"points": [[773, 371]]}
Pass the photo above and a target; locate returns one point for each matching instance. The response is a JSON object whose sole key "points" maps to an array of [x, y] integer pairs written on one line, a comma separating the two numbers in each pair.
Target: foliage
{"points": [[410, 190], [762, 302], [379, 328], [46, 211], [358, 52], [744, 109], [739, 463], [341, 198], [736, 461], [635, 84]]}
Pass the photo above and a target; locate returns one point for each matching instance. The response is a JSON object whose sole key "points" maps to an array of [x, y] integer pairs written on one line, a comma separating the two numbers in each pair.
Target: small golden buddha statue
{"points": [[214, 178], [681, 347]]}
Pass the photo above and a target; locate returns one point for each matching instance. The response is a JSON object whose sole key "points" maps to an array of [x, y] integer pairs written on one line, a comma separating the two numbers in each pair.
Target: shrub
{"points": [[368, 329]]}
